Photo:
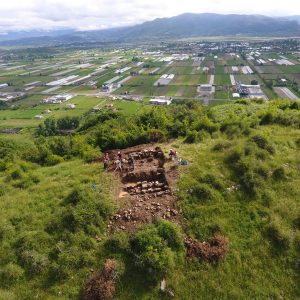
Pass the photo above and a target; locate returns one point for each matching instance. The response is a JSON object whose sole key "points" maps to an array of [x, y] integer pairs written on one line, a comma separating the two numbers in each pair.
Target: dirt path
{"points": [[145, 192]]}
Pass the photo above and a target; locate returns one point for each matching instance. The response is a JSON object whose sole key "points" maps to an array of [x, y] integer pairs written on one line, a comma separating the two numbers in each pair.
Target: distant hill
{"points": [[185, 25], [293, 18]]}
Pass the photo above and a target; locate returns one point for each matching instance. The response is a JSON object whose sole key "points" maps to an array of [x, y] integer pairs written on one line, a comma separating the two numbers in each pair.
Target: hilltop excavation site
{"points": [[147, 193]]}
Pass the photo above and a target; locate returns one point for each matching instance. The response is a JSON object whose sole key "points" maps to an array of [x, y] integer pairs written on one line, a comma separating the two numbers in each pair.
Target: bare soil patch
{"points": [[145, 191]]}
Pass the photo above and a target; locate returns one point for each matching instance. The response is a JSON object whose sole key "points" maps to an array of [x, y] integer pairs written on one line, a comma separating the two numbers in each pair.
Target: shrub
{"points": [[267, 198], [52, 160], [221, 146], [278, 236], [11, 273], [84, 209], [250, 183], [262, 171], [297, 241], [212, 180], [119, 241], [279, 174], [263, 143], [171, 234], [203, 192], [16, 173], [234, 157], [268, 118], [2, 190], [91, 155], [192, 137], [34, 262], [297, 222], [156, 248]]}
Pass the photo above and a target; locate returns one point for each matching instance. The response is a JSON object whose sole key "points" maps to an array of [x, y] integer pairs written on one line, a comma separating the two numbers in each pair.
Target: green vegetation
{"points": [[242, 182]]}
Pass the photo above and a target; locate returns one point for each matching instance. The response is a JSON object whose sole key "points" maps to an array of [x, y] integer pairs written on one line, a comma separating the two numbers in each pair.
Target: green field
{"points": [[222, 79]]}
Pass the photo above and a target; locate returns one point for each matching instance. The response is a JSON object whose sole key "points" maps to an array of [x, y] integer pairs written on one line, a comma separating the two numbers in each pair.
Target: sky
{"points": [[100, 14]]}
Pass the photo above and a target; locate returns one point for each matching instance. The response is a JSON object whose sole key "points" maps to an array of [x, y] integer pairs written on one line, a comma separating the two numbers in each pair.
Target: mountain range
{"points": [[181, 26]]}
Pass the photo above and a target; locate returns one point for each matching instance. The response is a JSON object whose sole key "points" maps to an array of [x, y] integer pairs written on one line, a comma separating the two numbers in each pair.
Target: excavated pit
{"points": [[145, 191]]}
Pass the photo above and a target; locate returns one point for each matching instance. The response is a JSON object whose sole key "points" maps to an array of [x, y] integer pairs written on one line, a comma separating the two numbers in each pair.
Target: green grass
{"points": [[222, 79], [253, 268], [34, 208], [221, 95], [24, 116]]}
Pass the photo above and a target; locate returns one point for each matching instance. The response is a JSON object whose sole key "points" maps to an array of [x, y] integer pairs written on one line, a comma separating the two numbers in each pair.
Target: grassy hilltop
{"points": [[242, 182]]}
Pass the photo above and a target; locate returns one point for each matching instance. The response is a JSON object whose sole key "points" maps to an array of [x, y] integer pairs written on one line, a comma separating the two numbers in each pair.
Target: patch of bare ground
{"points": [[145, 190], [101, 285], [213, 251]]}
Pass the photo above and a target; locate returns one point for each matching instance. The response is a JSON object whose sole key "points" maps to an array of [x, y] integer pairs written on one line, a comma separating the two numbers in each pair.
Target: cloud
{"points": [[98, 14]]}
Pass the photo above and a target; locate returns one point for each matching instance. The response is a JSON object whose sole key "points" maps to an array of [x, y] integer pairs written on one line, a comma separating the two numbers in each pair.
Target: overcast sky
{"points": [[95, 14]]}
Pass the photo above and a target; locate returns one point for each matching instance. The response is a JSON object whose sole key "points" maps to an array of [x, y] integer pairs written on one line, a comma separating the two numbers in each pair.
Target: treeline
{"points": [[188, 120]]}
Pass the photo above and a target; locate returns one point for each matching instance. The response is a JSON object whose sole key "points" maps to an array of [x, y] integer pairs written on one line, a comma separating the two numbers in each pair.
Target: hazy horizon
{"points": [[92, 14]]}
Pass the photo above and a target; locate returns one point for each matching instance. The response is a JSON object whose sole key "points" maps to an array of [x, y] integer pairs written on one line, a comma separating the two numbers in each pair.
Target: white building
{"points": [[3, 85], [70, 106], [159, 101], [57, 99]]}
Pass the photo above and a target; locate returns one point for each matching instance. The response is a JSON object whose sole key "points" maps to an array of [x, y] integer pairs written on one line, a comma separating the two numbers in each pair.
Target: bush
{"points": [[297, 222], [221, 146], [297, 241], [212, 180], [34, 261], [171, 234], [91, 155], [192, 137], [52, 160], [84, 209], [250, 183], [28, 249], [278, 236], [156, 248], [10, 274], [16, 173], [263, 143], [234, 157], [118, 242], [279, 174], [267, 199], [262, 171], [203, 192]]}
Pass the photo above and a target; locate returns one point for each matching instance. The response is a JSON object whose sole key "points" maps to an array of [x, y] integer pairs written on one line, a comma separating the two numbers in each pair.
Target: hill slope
{"points": [[242, 182]]}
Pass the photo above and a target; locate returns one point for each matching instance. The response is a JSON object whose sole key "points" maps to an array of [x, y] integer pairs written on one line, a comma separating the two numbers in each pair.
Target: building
{"points": [[57, 99], [208, 88], [251, 91], [109, 87], [70, 106], [3, 85], [160, 101], [64, 97]]}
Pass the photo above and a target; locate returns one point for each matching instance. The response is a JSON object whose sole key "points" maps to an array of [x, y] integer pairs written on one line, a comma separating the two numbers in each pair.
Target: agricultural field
{"points": [[82, 74]]}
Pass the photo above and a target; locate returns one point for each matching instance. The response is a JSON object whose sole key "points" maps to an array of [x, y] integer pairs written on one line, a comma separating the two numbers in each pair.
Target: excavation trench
{"points": [[145, 192]]}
